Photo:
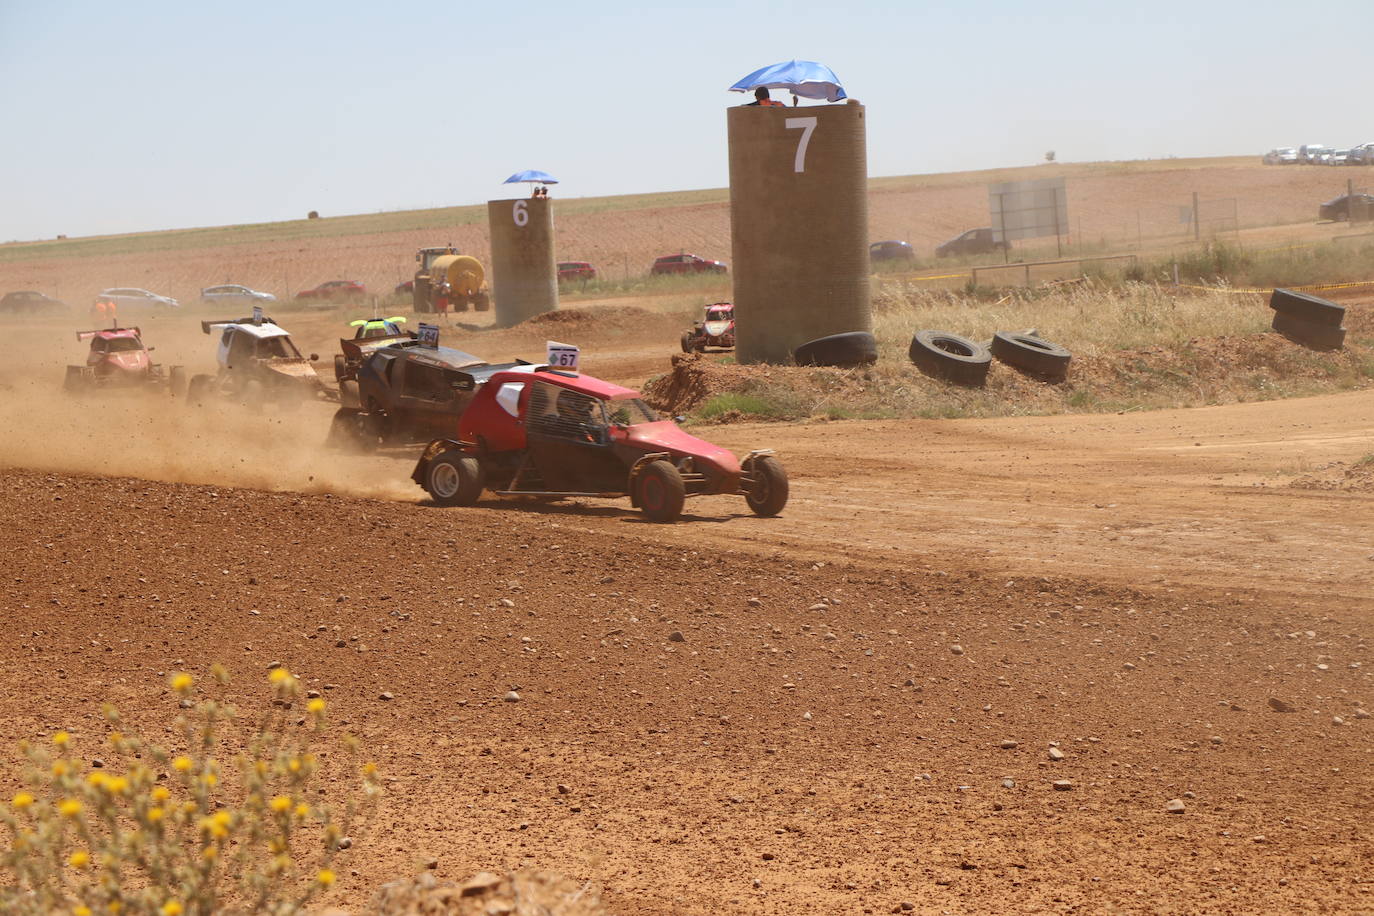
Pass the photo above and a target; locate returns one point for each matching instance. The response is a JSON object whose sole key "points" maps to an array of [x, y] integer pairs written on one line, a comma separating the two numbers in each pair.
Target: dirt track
{"points": [[1134, 588]]}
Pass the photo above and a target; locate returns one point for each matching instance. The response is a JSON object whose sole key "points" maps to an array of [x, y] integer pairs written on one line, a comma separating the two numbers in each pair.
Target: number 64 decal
{"points": [[522, 211], [807, 127]]}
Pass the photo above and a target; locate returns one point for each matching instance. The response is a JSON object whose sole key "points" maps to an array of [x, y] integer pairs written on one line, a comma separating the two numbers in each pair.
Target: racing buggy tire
{"points": [[340, 367], [176, 382], [950, 357], [1309, 334], [767, 493], [75, 381], [198, 389], [688, 344], [660, 492], [1303, 307], [349, 396], [855, 348], [1032, 355], [454, 479]]}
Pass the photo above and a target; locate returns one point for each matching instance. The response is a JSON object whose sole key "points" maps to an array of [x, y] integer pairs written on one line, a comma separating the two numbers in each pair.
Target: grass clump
{"points": [[155, 832]]}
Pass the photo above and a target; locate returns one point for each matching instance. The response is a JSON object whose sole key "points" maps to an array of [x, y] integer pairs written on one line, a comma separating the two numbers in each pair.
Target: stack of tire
{"points": [[956, 359], [1308, 320]]}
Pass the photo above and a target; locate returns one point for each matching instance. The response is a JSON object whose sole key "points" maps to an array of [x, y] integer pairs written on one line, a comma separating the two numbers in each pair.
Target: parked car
{"points": [[137, 297], [1336, 157], [575, 271], [891, 251], [29, 302], [1287, 156], [335, 290], [974, 241], [1338, 208], [234, 294], [404, 288], [1309, 152], [686, 264]]}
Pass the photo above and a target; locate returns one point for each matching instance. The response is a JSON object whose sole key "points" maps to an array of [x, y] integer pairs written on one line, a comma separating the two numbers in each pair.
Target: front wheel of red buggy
{"points": [[767, 485], [660, 492]]}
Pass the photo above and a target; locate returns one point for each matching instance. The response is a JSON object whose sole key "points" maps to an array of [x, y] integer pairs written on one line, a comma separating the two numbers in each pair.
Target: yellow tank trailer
{"points": [[447, 275]]}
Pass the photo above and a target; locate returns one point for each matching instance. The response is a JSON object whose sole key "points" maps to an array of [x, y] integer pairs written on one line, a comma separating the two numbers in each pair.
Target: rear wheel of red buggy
{"points": [[660, 492], [454, 479]]}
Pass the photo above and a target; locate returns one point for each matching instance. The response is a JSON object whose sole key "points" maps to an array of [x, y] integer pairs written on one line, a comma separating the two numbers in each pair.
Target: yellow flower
{"points": [[181, 682], [60, 768], [279, 675], [160, 793], [79, 859], [97, 777], [294, 765], [209, 852], [369, 769], [115, 737], [61, 739], [172, 908], [189, 807], [325, 877], [302, 811], [223, 818], [81, 910], [281, 803], [315, 706], [155, 815], [69, 807], [215, 829], [115, 906], [116, 785], [182, 764], [210, 779], [22, 800]]}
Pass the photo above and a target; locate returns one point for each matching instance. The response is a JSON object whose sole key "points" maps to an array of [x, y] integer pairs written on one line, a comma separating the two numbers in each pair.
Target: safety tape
{"points": [[1302, 289], [942, 277]]}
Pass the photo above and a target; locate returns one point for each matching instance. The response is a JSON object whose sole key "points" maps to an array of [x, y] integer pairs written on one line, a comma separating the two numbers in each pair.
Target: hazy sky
{"points": [[146, 115]]}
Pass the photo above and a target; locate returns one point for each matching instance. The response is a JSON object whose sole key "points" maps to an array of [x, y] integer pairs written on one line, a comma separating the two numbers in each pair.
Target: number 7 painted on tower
{"points": [[807, 125]]}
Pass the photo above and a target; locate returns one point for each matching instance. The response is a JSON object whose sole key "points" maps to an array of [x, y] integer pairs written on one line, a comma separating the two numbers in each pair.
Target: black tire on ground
{"points": [[176, 382], [1309, 334], [660, 492], [688, 344], [454, 479], [198, 389], [481, 302], [1306, 307], [950, 357], [767, 493], [340, 367], [1031, 354], [854, 348]]}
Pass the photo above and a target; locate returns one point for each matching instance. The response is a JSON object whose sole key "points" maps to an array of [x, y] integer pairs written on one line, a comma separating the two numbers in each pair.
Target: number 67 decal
{"points": [[807, 127]]}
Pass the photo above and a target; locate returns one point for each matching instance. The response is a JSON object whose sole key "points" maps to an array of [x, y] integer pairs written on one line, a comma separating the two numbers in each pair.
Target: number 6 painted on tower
{"points": [[807, 125], [522, 212]]}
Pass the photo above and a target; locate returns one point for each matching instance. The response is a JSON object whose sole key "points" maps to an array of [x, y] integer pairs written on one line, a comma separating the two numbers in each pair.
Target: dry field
{"points": [[1109, 203], [966, 671]]}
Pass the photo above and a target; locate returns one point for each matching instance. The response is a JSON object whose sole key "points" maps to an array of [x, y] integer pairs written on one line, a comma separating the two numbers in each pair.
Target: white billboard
{"points": [[1028, 209]]}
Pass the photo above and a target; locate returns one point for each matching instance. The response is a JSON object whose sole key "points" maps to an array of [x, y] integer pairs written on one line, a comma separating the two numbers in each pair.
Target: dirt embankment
{"points": [[1207, 370]]}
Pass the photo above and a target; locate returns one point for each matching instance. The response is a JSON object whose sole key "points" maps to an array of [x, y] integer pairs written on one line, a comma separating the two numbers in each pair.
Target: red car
{"points": [[336, 290], [686, 264], [118, 358], [540, 431], [575, 271]]}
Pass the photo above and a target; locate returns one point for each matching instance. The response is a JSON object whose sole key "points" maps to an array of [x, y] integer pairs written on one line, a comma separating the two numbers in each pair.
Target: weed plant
{"points": [[150, 831]]}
